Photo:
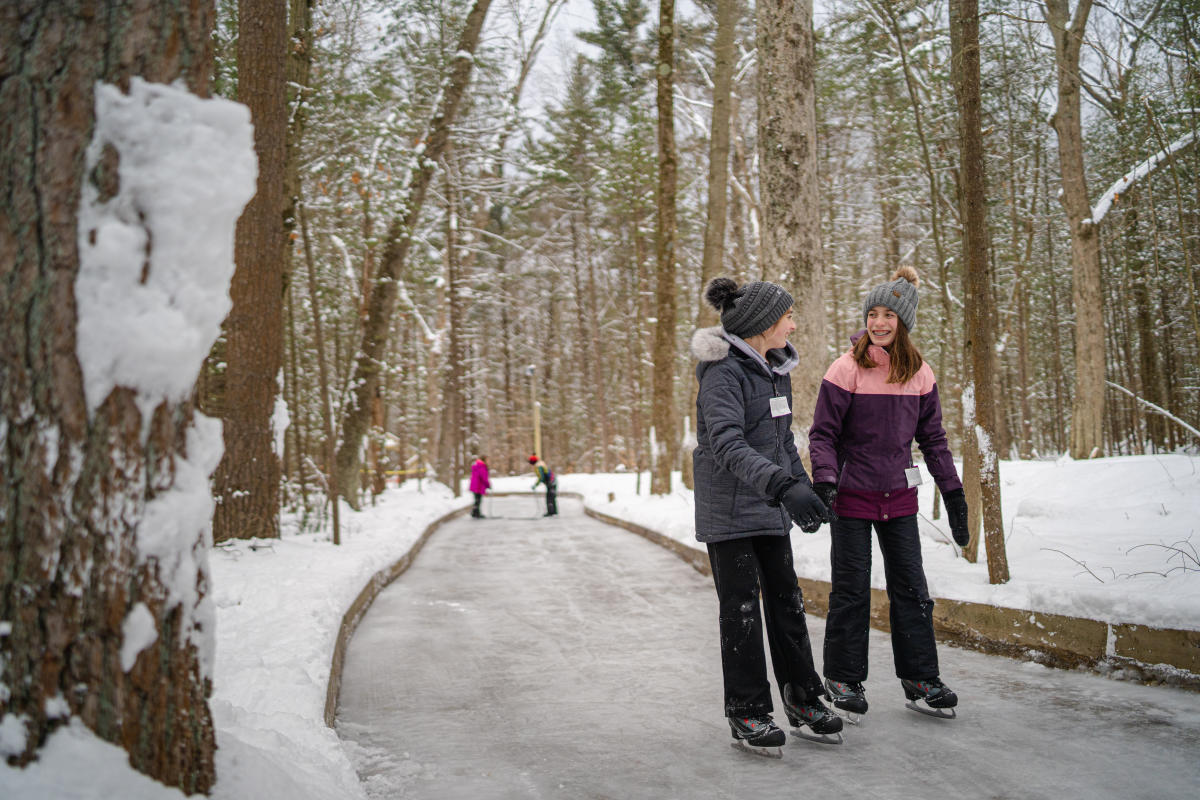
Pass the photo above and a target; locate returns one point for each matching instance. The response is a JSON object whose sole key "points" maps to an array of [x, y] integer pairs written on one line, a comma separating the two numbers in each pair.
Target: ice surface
{"points": [[522, 657]]}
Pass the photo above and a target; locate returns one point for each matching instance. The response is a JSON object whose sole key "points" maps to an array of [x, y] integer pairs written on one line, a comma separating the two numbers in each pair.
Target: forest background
{"points": [[532, 273], [434, 262]]}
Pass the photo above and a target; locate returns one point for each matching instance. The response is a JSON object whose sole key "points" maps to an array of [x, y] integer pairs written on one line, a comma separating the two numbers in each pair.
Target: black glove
{"points": [[804, 507], [956, 511], [828, 493]]}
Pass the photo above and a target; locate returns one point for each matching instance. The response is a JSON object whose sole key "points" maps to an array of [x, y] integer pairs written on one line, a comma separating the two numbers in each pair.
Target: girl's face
{"points": [[881, 325], [777, 335]]}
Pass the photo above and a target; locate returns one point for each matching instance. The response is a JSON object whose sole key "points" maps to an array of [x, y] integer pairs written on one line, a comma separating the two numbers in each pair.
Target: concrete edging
{"points": [[1153, 655]]}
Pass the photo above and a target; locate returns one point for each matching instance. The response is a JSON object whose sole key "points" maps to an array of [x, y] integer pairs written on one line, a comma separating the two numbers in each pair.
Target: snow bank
{"points": [[1111, 539]]}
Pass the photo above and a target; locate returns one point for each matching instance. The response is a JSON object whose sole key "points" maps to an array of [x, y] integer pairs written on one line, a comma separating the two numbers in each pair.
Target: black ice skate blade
{"points": [[819, 738], [765, 752], [929, 711]]}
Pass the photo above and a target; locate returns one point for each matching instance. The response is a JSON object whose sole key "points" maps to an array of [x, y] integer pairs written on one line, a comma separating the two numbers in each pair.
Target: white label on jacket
{"points": [[779, 407], [913, 474]]}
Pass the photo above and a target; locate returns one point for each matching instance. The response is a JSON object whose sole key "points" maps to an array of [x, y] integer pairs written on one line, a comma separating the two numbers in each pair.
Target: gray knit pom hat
{"points": [[750, 309], [899, 294]]}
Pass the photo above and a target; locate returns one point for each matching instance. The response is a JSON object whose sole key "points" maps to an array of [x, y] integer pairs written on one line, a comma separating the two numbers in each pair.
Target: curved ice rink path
{"points": [[522, 657]]}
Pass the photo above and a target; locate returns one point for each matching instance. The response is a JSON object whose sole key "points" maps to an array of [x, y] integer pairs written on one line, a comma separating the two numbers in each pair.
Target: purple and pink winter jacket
{"points": [[479, 477], [862, 434]]}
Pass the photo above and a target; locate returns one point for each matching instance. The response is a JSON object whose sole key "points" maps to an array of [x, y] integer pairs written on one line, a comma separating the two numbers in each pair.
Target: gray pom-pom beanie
{"points": [[750, 309], [899, 294]]}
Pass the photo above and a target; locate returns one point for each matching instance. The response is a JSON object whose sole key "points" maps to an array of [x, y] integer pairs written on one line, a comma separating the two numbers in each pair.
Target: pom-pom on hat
{"points": [[899, 294], [750, 309]]}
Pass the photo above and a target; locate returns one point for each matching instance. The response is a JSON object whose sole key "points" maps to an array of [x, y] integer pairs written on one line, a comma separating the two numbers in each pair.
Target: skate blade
{"points": [[850, 716], [929, 711], [765, 752], [819, 738]]}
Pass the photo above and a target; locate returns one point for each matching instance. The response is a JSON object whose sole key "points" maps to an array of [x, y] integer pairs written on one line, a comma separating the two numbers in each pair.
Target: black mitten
{"points": [[828, 493], [804, 507], [956, 511]]}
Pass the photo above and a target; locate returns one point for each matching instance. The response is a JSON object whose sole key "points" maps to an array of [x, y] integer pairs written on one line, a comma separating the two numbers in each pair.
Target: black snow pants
{"points": [[552, 498], [847, 626], [738, 567], [477, 511]]}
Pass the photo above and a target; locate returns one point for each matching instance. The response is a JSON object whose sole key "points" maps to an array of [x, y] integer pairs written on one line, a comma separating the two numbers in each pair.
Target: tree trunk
{"points": [[246, 483], [1087, 410], [664, 250], [718, 155], [103, 591], [327, 419], [356, 417], [791, 230], [977, 343]]}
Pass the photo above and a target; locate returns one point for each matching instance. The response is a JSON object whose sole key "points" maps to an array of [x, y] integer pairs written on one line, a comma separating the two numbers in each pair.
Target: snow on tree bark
{"points": [[116, 245]]}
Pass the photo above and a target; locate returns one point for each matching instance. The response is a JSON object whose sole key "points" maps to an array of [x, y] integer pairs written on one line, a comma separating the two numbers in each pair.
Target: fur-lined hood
{"points": [[713, 344]]}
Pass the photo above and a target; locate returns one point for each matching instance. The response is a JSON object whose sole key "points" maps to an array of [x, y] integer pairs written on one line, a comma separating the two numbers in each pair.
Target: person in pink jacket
{"points": [[480, 483], [874, 402]]}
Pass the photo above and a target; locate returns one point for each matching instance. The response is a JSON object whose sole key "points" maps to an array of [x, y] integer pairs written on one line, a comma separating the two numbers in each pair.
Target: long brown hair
{"points": [[905, 357]]}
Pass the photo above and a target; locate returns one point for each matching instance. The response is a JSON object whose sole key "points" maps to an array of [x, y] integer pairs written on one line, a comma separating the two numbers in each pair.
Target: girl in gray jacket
{"points": [[750, 485]]}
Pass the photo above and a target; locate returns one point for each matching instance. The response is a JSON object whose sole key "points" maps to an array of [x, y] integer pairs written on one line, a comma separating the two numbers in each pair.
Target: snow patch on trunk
{"points": [[155, 259], [137, 633]]}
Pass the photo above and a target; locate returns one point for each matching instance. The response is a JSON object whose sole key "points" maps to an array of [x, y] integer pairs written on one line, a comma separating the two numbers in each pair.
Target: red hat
{"points": [[533, 459]]}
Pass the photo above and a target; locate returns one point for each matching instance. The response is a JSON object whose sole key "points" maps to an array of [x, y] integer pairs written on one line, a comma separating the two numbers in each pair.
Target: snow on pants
{"points": [[738, 568], [847, 626]]}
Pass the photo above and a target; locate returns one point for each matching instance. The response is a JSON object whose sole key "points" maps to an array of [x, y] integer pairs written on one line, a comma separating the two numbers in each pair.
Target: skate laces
{"points": [[932, 686]]}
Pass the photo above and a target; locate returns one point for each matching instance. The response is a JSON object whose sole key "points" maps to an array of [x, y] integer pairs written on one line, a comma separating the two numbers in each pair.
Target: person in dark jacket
{"points": [[873, 402], [750, 485], [546, 475]]}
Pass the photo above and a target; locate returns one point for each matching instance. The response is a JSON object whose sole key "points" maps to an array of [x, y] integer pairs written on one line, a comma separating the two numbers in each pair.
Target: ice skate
{"points": [[825, 726], [758, 735], [849, 700], [931, 697]]}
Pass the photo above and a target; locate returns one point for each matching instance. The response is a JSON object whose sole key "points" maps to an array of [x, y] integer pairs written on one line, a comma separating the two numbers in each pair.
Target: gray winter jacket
{"points": [[745, 457]]}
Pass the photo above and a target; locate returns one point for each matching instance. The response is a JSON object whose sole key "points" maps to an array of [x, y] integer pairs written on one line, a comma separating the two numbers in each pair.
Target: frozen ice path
{"points": [[521, 657]]}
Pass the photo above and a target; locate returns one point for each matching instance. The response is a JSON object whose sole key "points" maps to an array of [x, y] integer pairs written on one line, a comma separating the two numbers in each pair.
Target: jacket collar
{"points": [[714, 344], [880, 356]]}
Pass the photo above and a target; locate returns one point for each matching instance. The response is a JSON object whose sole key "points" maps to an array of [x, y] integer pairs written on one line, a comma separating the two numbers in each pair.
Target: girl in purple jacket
{"points": [[874, 401]]}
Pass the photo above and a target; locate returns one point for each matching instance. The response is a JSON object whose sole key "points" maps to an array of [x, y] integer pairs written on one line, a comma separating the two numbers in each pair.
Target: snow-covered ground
{"points": [[1109, 539]]}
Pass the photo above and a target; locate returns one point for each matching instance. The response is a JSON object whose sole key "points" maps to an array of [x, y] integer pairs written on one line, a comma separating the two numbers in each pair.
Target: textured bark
{"points": [[356, 417], [1087, 410], [74, 487], [246, 483], [718, 155], [791, 211], [978, 342], [664, 249]]}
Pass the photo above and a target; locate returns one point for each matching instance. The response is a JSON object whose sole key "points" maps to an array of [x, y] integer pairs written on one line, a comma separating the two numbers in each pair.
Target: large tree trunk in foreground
{"points": [[791, 230], [104, 522], [246, 483], [369, 362]]}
